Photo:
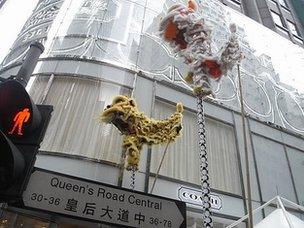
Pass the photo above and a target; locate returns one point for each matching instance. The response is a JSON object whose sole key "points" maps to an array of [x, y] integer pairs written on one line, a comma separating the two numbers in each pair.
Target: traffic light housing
{"points": [[22, 128]]}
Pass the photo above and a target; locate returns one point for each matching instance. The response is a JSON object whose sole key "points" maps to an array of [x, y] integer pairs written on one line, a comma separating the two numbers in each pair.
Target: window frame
{"points": [[294, 30], [275, 16], [284, 4]]}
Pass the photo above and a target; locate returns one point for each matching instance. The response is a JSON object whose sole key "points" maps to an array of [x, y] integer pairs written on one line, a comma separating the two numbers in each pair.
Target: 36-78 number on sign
{"points": [[156, 221]]}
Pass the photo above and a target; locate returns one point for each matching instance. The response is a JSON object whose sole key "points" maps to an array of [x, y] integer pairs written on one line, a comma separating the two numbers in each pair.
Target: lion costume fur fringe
{"points": [[138, 129]]}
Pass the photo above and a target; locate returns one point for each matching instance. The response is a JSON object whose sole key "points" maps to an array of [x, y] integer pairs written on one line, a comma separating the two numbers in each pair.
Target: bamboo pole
{"points": [[249, 202], [159, 167]]}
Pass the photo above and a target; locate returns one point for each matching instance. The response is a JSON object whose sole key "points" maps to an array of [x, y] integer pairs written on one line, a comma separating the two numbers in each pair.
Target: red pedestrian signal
{"points": [[19, 116], [20, 119]]}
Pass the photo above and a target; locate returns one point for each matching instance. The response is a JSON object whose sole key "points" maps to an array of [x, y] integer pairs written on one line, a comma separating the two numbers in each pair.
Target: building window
{"points": [[182, 159], [296, 158], [293, 28], [298, 39], [13, 219], [232, 3], [218, 222], [274, 1], [283, 3], [279, 23], [273, 169], [283, 30], [277, 19], [236, 2], [74, 128]]}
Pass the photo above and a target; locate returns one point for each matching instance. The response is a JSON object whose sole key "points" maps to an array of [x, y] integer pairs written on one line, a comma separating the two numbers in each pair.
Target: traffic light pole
{"points": [[29, 63]]}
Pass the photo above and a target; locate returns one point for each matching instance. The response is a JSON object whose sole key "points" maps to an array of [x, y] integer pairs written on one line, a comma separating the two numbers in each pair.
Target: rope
{"points": [[161, 162], [204, 173]]}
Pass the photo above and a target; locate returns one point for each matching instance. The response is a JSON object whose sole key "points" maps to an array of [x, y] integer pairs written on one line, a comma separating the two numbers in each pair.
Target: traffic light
{"points": [[22, 127]]}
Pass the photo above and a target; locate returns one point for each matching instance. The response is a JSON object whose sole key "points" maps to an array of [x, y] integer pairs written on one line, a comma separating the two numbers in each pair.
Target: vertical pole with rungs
{"points": [[204, 173]]}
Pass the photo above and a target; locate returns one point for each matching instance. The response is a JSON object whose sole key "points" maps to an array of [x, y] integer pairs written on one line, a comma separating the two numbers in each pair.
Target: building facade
{"points": [[97, 49], [299, 6], [281, 16]]}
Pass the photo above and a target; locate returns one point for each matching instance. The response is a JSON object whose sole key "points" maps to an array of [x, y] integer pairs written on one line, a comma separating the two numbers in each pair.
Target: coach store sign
{"points": [[75, 197], [193, 196]]}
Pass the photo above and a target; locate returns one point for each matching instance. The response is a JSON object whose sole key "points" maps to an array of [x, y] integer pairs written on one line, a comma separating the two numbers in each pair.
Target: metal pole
{"points": [[204, 173], [285, 213], [249, 203], [29, 63], [292, 204]]}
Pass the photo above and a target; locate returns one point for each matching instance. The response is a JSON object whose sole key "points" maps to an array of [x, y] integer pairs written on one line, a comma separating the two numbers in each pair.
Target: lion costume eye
{"points": [[132, 102], [119, 99]]}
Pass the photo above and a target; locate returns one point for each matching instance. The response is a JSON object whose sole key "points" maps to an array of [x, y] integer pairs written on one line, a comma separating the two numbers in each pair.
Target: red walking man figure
{"points": [[20, 118]]}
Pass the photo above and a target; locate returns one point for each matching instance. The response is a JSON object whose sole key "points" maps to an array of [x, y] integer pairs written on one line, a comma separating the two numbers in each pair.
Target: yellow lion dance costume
{"points": [[138, 128]]}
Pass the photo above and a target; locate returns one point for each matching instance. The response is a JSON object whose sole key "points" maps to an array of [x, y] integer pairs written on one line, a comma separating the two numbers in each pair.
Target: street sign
{"points": [[72, 196], [194, 196]]}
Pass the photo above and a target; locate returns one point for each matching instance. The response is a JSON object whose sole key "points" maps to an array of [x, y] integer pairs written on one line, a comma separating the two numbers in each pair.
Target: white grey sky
{"points": [[13, 15]]}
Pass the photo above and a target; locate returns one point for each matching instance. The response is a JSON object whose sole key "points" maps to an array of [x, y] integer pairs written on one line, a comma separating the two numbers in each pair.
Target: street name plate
{"points": [[91, 200]]}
